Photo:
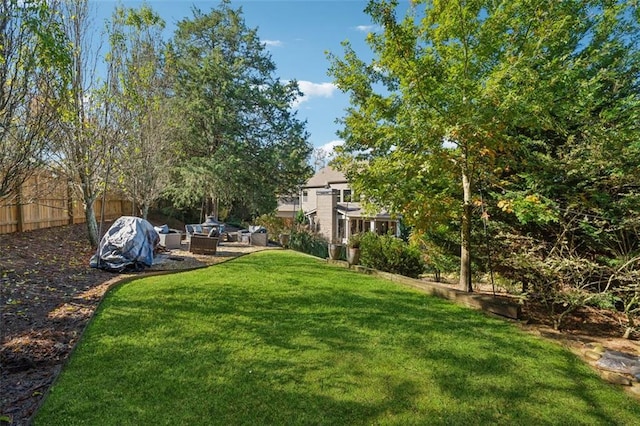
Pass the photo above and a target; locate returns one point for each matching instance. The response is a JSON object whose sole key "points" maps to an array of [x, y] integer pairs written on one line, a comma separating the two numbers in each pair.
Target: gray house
{"points": [[332, 209]]}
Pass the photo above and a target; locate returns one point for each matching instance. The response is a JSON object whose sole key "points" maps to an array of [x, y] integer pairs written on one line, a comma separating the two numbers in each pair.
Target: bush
{"points": [[390, 254], [274, 225], [306, 242]]}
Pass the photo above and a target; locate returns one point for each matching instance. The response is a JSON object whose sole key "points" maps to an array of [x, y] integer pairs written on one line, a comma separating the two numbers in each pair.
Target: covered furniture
{"points": [[128, 245], [203, 244]]}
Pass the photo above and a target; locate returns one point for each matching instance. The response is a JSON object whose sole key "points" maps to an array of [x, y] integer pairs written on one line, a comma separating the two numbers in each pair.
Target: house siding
{"points": [[326, 213]]}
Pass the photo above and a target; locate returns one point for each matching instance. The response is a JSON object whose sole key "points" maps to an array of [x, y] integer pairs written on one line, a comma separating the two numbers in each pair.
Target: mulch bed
{"points": [[48, 293]]}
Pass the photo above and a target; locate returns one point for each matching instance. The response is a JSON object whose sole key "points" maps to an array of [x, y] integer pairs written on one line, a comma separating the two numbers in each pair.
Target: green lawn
{"points": [[278, 337]]}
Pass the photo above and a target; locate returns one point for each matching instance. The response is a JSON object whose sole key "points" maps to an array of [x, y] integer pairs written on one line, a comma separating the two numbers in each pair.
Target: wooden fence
{"points": [[46, 200]]}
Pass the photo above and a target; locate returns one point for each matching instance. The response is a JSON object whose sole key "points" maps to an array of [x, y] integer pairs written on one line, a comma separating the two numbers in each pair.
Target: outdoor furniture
{"points": [[207, 228], [170, 240], [259, 239], [203, 244], [243, 237], [191, 229]]}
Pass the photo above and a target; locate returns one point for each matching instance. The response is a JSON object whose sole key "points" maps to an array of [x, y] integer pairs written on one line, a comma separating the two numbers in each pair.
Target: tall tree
{"points": [[85, 136], [145, 116], [320, 158], [573, 188], [242, 143], [451, 89], [34, 63]]}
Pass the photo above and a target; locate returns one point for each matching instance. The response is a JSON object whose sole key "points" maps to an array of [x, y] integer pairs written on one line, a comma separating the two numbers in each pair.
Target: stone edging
{"points": [[496, 305], [593, 352]]}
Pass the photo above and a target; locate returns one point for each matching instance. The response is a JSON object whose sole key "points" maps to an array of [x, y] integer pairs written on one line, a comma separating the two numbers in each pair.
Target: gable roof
{"points": [[324, 176]]}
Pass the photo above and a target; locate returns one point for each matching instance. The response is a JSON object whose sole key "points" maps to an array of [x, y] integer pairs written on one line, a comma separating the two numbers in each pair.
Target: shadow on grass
{"points": [[277, 338]]}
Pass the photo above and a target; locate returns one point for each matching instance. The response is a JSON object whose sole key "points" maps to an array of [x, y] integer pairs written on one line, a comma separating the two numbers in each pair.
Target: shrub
{"points": [[301, 219], [562, 281], [306, 242], [274, 225], [390, 254], [355, 240]]}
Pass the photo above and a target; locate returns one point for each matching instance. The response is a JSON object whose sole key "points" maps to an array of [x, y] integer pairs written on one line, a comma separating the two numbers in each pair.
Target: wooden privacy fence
{"points": [[46, 200]]}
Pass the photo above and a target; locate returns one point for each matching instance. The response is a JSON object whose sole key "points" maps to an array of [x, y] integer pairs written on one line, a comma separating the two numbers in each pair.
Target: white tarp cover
{"points": [[128, 245]]}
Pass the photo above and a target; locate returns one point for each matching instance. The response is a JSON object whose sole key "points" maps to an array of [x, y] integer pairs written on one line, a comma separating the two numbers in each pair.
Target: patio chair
{"points": [[203, 244], [192, 229]]}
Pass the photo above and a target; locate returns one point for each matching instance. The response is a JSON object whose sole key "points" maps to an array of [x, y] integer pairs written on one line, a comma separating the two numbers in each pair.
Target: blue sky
{"points": [[297, 33]]}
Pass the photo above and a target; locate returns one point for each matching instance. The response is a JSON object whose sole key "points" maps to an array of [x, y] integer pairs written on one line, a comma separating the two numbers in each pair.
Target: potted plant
{"points": [[334, 250], [353, 249]]}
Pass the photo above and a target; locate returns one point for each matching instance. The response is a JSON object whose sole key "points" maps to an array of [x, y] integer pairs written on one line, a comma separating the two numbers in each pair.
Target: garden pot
{"points": [[334, 251], [284, 240], [353, 255]]}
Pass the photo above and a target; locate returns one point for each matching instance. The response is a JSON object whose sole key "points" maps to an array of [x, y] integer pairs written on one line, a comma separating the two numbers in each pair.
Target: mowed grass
{"points": [[282, 338]]}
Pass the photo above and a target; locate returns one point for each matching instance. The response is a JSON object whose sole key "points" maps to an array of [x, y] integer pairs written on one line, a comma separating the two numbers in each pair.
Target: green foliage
{"points": [[355, 240], [390, 254], [530, 208], [241, 142], [305, 241], [35, 68], [439, 248], [535, 104], [142, 105], [275, 225], [301, 219]]}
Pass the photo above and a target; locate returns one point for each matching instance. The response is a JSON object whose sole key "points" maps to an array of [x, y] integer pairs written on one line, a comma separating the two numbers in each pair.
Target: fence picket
{"points": [[46, 200]]}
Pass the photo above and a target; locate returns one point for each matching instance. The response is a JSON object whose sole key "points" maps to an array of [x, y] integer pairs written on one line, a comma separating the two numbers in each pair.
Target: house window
{"points": [[346, 195], [305, 196], [383, 228], [341, 229], [338, 195], [357, 226]]}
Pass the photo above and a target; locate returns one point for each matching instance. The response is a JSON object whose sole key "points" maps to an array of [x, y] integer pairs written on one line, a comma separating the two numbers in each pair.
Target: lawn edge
{"points": [[111, 284]]}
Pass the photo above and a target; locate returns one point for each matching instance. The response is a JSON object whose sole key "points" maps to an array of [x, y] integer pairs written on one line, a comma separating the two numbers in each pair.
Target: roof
{"points": [[324, 176], [354, 210]]}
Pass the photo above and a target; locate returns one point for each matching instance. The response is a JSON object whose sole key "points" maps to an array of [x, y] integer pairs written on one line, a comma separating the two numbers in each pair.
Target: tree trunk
{"points": [[214, 208], [70, 201], [92, 224], [20, 218], [465, 243]]}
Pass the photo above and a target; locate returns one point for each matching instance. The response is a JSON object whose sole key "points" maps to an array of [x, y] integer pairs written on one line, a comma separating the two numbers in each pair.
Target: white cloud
{"points": [[329, 146], [366, 28], [274, 43], [314, 90]]}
